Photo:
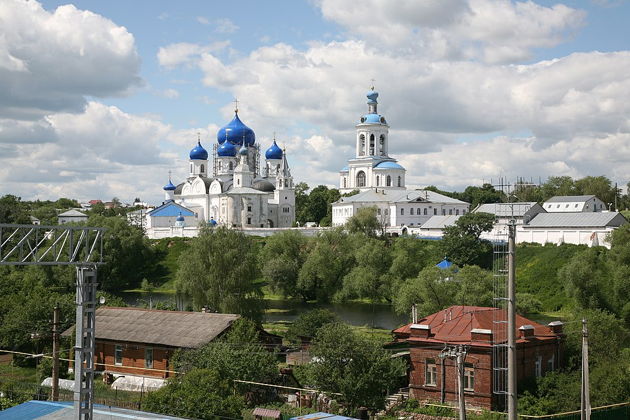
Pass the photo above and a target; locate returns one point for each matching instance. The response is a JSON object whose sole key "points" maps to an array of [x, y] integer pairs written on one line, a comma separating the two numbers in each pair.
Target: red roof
{"points": [[454, 325], [92, 202]]}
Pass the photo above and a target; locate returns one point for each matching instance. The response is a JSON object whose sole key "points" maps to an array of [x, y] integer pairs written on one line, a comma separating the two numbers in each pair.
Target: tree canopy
{"points": [[462, 243]]}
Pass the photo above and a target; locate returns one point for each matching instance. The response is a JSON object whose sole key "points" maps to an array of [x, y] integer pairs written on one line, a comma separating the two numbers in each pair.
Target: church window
{"points": [[249, 208], [231, 166], [249, 220], [382, 140], [425, 211], [191, 168], [411, 211], [220, 166], [238, 182], [344, 182], [361, 179], [464, 211], [450, 212], [389, 180], [378, 180], [402, 212], [443, 212], [371, 144], [456, 212], [361, 145], [202, 169], [399, 181], [435, 212], [418, 211]]}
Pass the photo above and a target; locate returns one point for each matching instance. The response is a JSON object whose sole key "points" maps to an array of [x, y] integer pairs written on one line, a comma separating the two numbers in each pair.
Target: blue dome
{"points": [[234, 132], [180, 218], [372, 96], [212, 222], [226, 149], [169, 186], [274, 152], [388, 165], [243, 150], [373, 119], [198, 152]]}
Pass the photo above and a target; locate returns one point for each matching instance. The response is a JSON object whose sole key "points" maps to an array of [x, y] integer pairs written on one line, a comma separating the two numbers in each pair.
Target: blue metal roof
{"points": [[373, 119], [170, 209], [388, 165], [344, 169], [31, 410], [274, 152], [444, 264], [235, 132], [198, 152]]}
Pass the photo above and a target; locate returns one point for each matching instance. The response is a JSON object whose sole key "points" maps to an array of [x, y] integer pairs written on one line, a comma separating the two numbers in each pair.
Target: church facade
{"points": [[380, 180], [230, 187]]}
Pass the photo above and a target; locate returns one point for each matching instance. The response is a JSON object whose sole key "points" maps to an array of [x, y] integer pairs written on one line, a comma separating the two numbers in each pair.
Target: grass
{"points": [[11, 373]]}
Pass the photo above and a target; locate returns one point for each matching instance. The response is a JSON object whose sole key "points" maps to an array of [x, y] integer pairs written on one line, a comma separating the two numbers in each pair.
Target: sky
{"points": [[103, 99]]}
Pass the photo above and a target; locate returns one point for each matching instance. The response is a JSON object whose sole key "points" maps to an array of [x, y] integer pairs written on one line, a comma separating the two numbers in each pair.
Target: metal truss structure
{"points": [[82, 247], [50, 245]]}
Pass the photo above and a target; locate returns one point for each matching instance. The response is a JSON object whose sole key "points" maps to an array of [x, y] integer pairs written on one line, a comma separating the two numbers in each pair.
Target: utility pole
{"points": [[585, 409], [458, 353], [512, 369], [55, 355]]}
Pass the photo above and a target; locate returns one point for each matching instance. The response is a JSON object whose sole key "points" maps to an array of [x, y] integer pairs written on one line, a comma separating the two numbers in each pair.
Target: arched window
{"points": [[456, 212], [389, 181], [399, 181], [418, 211], [231, 166], [371, 144], [361, 145], [361, 179], [378, 180], [411, 211], [202, 168], [191, 168], [220, 165], [382, 142], [450, 212], [344, 182]]}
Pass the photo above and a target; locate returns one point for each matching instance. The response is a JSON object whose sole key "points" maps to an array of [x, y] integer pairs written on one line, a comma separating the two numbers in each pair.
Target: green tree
{"points": [[329, 260], [369, 277], [582, 277], [13, 210], [238, 355], [281, 259], [128, 254], [462, 241], [480, 195], [558, 185], [365, 221], [430, 292], [200, 394], [410, 256], [219, 271], [308, 323], [355, 366], [599, 186]]}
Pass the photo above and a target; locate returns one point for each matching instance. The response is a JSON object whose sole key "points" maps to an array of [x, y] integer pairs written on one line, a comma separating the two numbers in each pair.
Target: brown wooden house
{"points": [[140, 342], [432, 377]]}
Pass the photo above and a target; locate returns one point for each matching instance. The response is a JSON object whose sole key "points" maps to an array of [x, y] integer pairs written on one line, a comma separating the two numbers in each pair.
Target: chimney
{"points": [[420, 330], [478, 334], [526, 331], [414, 314], [555, 327]]}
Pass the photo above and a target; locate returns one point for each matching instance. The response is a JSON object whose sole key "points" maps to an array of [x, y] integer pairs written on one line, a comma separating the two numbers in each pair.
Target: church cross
{"points": [[235, 105], [373, 80]]}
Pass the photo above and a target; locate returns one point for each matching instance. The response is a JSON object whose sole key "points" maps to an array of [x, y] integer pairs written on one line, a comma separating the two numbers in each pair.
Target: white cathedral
{"points": [[380, 180], [237, 192]]}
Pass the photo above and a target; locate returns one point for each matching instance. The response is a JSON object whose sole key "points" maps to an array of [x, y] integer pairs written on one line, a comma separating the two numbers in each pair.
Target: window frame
{"points": [[118, 353], [469, 377], [430, 372], [147, 351]]}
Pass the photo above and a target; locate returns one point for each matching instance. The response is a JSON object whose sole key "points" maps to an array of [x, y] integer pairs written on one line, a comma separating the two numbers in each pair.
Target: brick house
{"points": [[140, 342], [431, 377]]}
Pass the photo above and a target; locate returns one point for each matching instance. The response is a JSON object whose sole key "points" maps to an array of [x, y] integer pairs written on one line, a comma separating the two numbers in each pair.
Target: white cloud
{"points": [[203, 20], [170, 93], [50, 60], [185, 53], [225, 26], [492, 30]]}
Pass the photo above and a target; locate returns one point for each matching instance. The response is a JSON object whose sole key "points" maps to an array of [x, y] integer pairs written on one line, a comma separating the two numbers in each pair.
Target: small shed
{"points": [[266, 413]]}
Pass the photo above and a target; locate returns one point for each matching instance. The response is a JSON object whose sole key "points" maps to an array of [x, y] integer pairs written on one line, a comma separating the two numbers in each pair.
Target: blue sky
{"points": [[102, 99]]}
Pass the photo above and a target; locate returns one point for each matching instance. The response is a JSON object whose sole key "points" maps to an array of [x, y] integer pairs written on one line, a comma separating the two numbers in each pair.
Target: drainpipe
{"points": [[443, 383]]}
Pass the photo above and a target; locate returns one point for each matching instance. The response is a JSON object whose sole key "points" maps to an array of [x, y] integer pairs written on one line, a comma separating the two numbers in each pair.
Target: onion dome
{"points": [[198, 152], [212, 222], [169, 186], [180, 218], [235, 132], [243, 150], [372, 96], [227, 149], [274, 152]]}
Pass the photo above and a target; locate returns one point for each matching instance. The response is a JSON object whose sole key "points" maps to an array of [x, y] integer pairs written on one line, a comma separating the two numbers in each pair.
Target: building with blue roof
{"points": [[381, 183], [57, 410], [228, 187]]}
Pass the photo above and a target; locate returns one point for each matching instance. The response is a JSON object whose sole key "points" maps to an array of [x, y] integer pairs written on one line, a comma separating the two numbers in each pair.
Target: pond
{"points": [[354, 313]]}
